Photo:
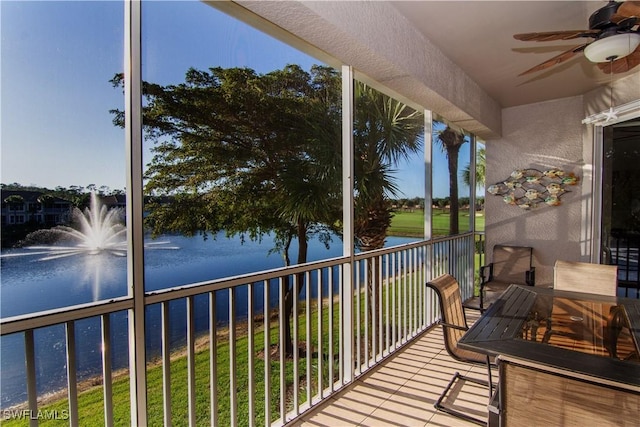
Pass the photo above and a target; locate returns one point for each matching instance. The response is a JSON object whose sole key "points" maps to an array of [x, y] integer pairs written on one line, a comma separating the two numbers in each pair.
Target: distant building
{"points": [[114, 201], [23, 206]]}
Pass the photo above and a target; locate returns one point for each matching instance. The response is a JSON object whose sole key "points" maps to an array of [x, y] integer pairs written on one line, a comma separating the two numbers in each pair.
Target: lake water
{"points": [[28, 285]]}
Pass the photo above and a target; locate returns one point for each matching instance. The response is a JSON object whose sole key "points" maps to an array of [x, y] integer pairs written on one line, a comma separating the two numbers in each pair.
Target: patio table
{"points": [[564, 358], [588, 335]]}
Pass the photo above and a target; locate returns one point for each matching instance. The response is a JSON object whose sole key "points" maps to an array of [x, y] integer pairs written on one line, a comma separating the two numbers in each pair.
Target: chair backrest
{"points": [[532, 393], [585, 277], [511, 263], [452, 312]]}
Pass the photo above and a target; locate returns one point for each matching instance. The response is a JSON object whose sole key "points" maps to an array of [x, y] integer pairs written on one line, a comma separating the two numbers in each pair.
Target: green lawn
{"points": [[411, 223], [90, 401]]}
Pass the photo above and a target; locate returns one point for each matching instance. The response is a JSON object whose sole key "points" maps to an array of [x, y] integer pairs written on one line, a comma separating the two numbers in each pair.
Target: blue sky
{"points": [[57, 59]]}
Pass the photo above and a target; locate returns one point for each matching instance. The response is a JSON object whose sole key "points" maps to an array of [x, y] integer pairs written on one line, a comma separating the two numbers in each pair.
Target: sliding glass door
{"points": [[621, 201]]}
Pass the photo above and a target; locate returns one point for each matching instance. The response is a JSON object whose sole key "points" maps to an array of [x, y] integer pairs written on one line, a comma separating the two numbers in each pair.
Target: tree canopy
{"points": [[244, 153]]}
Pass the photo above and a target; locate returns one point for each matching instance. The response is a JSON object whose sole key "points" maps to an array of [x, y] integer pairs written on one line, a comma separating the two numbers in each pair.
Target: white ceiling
{"points": [[478, 36]]}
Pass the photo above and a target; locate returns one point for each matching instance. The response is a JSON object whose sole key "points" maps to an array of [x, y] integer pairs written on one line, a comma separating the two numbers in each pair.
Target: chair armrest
{"points": [[530, 277], [452, 326], [483, 277]]}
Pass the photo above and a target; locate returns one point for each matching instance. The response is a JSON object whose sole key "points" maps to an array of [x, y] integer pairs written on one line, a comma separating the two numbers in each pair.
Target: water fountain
{"points": [[99, 230]]}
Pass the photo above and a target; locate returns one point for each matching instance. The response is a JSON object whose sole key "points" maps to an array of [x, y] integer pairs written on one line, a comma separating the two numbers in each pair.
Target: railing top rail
{"points": [[43, 319], [411, 245], [198, 288]]}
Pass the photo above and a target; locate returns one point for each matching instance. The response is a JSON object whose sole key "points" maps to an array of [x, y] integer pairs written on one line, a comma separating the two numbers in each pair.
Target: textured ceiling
{"points": [[478, 37]]}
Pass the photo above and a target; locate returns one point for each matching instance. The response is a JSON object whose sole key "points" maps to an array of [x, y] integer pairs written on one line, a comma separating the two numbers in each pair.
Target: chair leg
{"points": [[439, 406], [490, 382]]}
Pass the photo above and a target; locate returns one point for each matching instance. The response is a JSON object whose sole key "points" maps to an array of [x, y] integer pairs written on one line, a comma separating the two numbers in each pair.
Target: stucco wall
{"points": [[624, 90], [545, 135], [541, 136]]}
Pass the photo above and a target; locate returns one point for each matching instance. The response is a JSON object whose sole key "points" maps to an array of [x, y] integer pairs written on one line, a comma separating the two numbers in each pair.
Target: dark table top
{"points": [[565, 330]]}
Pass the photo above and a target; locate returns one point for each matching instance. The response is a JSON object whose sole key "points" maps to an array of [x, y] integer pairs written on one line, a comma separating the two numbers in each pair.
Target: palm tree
{"points": [[451, 140], [385, 131], [481, 165]]}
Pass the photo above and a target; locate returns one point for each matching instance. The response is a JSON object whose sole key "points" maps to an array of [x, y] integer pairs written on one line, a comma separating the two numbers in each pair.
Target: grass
{"points": [[411, 223], [90, 400]]}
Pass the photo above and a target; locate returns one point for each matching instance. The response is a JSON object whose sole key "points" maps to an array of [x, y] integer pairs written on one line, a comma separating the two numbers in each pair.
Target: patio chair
{"points": [[510, 265], [585, 277], [454, 324], [533, 393]]}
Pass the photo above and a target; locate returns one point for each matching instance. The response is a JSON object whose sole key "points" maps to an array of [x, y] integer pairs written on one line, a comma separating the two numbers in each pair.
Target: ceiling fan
{"points": [[616, 33]]}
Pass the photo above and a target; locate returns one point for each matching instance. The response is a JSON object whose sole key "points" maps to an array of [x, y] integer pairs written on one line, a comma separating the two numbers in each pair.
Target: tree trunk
{"points": [[371, 232], [452, 157], [292, 290]]}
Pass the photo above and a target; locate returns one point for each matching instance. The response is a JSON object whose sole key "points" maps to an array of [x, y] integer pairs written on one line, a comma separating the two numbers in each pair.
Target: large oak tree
{"points": [[247, 154]]}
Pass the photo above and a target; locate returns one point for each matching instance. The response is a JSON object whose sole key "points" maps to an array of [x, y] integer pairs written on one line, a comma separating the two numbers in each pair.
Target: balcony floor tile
{"points": [[402, 390]]}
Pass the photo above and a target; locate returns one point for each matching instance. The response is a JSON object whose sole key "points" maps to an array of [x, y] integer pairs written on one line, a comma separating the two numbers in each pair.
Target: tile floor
{"points": [[402, 391]]}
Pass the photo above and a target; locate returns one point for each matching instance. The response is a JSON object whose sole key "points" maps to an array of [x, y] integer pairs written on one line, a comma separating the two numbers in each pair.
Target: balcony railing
{"points": [[352, 312]]}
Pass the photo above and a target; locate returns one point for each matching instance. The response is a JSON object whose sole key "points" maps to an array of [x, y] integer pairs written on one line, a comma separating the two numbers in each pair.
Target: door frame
{"points": [[599, 121]]}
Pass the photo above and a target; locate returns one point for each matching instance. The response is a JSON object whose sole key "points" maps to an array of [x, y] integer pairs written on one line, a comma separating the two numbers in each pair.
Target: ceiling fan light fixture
{"points": [[616, 46]]}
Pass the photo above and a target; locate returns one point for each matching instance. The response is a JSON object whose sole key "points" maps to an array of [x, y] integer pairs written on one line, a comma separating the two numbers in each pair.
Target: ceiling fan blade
{"points": [[564, 56], [627, 9], [624, 23], [555, 35], [621, 65]]}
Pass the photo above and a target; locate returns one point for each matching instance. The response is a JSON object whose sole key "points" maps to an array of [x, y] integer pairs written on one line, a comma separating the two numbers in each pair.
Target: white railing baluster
{"points": [[307, 316], [414, 296], [213, 360], [380, 284], [30, 362], [320, 332], [233, 386], [388, 289], [373, 302], [358, 293], [421, 286], [267, 353], [251, 355], [166, 362], [341, 325], [394, 289], [107, 382], [405, 298], [191, 360], [296, 346], [281, 347], [331, 340], [367, 310], [72, 380]]}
